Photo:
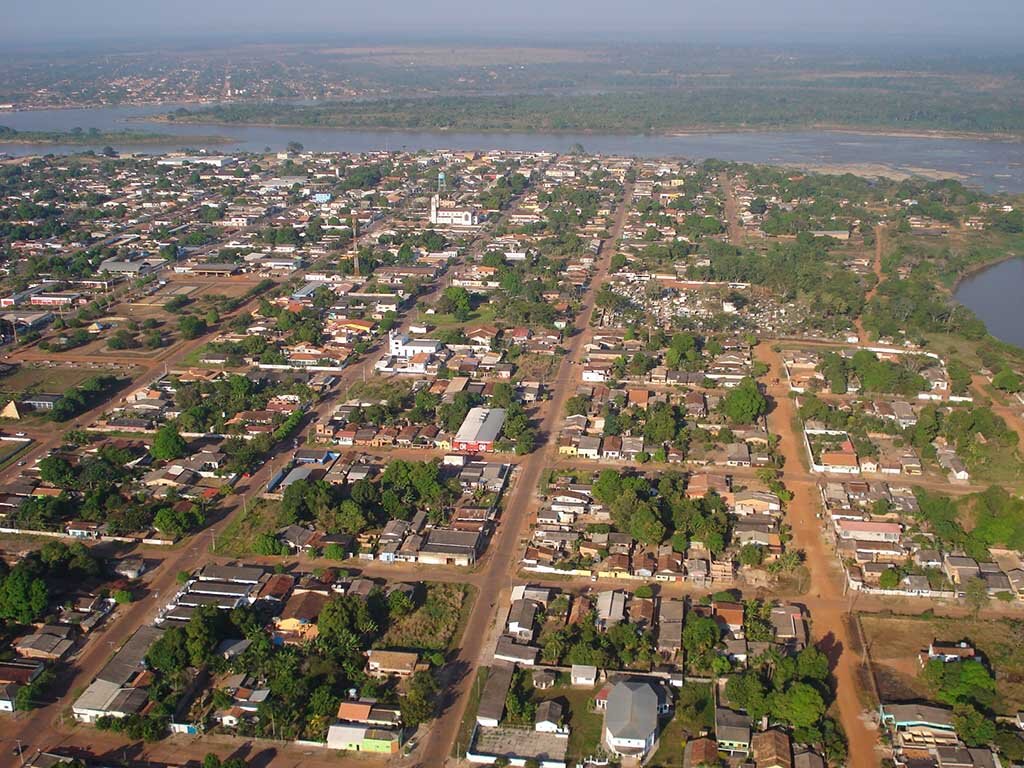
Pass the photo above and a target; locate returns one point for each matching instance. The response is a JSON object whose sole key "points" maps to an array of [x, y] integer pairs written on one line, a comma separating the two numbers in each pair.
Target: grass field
{"points": [[533, 367], [436, 624], [237, 539], [37, 379], [893, 643]]}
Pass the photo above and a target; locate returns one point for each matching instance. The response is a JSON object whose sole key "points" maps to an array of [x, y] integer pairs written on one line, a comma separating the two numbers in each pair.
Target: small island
{"points": [[96, 137]]}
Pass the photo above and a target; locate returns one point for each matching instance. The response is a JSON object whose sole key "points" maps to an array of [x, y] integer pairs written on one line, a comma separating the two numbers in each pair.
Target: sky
{"points": [[967, 23]]}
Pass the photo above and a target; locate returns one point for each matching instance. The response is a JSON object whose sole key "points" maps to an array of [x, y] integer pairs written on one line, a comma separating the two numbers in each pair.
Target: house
{"points": [[960, 569], [391, 663], [51, 642], [351, 737], [507, 649], [669, 633], [729, 614], [589, 447], [947, 652], [772, 749], [479, 430], [583, 675], [297, 622], [521, 619], [808, 760], [544, 679], [919, 726], [111, 693], [700, 753], [492, 700], [756, 503], [549, 717], [611, 608], [732, 730], [246, 698], [631, 718], [9, 696]]}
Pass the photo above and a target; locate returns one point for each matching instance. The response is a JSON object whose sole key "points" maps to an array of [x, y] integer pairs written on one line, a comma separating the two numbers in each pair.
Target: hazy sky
{"points": [[912, 22]]}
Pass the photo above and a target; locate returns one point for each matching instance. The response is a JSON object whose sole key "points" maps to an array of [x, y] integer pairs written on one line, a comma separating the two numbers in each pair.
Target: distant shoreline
{"points": [[893, 132], [26, 138], [853, 130]]}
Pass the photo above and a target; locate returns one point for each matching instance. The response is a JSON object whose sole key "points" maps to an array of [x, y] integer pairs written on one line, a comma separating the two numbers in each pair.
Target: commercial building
{"points": [[479, 430]]}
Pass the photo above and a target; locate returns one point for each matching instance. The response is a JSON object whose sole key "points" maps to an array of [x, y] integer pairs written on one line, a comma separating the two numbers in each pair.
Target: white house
{"points": [[583, 675], [631, 719]]}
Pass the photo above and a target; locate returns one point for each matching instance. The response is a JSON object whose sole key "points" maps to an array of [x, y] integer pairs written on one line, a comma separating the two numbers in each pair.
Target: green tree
{"points": [[700, 635], [800, 705], [168, 444], [745, 403], [890, 579], [191, 327], [420, 699], [1007, 381], [976, 594], [973, 726]]}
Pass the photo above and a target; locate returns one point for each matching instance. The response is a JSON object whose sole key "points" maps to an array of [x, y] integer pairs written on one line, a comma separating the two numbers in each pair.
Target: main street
{"points": [[520, 505]]}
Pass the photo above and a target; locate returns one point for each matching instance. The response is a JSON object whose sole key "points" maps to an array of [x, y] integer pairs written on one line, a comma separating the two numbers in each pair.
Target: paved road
{"points": [[499, 572]]}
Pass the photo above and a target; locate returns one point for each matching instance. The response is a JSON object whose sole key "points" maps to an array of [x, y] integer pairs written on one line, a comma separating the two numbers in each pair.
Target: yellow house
{"points": [[297, 622]]}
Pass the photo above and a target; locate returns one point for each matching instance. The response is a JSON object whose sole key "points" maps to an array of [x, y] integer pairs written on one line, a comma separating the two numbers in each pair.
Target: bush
{"points": [[122, 596]]}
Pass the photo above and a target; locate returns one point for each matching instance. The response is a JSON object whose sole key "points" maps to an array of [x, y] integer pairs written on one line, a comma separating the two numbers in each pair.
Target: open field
{"points": [[42, 378], [434, 625], [238, 537], [893, 643]]}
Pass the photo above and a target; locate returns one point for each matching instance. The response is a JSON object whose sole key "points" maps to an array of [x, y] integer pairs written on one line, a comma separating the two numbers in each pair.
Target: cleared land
{"points": [[893, 643]]}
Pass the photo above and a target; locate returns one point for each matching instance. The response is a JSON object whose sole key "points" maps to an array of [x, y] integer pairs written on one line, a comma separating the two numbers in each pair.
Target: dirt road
{"points": [[732, 210], [825, 601], [880, 245]]}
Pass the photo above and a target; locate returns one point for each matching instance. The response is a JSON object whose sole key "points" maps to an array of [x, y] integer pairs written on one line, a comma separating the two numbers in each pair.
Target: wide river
{"points": [[994, 296], [993, 165]]}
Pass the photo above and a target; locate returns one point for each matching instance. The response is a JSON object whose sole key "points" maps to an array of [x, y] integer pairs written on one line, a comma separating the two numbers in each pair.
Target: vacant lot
{"points": [[40, 378], [238, 539], [894, 642], [435, 624]]}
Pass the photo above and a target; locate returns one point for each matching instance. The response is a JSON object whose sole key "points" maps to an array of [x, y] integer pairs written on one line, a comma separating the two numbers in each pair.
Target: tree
{"points": [[890, 579], [700, 635], [56, 470], [751, 555], [800, 705], [745, 403], [973, 726], [23, 596], [168, 444], [122, 596], [1007, 381], [976, 594], [418, 703], [191, 327]]}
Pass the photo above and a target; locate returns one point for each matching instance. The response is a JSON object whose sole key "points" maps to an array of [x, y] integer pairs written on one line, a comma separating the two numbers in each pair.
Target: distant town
{"points": [[503, 458]]}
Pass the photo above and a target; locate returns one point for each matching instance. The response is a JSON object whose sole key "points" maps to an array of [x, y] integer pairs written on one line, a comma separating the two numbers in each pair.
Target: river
{"points": [[994, 296], [993, 165]]}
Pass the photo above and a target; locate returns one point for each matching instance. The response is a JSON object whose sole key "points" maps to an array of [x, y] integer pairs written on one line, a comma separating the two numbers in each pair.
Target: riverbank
{"points": [[196, 118], [98, 138], [976, 269]]}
